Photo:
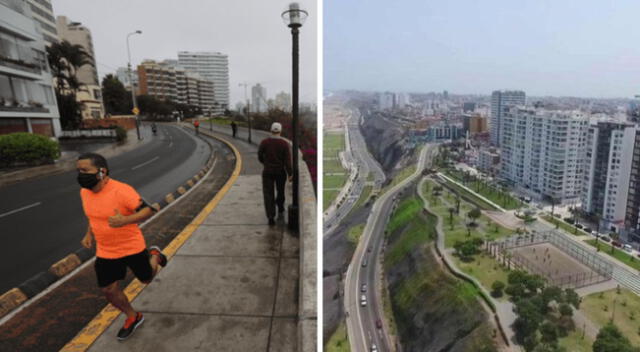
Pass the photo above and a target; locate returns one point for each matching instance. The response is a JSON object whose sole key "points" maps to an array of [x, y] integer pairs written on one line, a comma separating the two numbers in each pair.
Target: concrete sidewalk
{"points": [[232, 285]]}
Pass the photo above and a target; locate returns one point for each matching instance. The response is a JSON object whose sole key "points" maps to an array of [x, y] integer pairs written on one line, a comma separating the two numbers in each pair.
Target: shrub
{"points": [[496, 288], [121, 133], [27, 148]]}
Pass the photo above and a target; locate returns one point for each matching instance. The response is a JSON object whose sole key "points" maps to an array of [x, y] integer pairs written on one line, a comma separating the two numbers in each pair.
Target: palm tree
{"points": [[451, 211]]}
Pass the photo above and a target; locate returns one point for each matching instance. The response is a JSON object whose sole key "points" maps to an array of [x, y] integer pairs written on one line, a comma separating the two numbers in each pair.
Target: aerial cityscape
{"points": [[478, 197]]}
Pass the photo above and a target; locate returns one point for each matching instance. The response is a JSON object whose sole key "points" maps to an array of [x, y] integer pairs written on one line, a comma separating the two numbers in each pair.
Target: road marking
{"points": [[145, 163], [170, 144], [20, 209]]}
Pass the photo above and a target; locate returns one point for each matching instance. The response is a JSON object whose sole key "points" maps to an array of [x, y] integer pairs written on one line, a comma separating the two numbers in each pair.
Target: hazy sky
{"points": [[588, 48], [251, 32]]}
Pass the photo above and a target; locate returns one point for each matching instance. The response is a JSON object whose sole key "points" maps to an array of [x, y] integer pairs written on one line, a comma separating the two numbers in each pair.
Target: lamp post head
{"points": [[139, 31], [294, 17]]}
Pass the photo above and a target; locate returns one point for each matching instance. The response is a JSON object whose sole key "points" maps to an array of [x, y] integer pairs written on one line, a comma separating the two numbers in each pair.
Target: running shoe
{"points": [[162, 259], [130, 325]]}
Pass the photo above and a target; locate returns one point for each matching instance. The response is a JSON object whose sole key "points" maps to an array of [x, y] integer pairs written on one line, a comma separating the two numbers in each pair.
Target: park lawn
{"points": [[627, 303], [406, 210], [327, 198], [333, 141], [354, 233], [339, 342], [504, 200], [333, 181], [332, 166], [485, 269], [575, 343], [400, 176], [364, 196], [617, 253], [565, 226]]}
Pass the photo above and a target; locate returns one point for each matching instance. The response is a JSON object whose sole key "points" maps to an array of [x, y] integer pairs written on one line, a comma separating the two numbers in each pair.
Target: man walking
{"points": [[196, 124], [234, 128], [275, 154], [114, 210]]}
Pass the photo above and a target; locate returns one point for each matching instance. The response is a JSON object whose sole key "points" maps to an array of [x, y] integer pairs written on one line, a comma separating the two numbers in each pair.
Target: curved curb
{"points": [[87, 336], [13, 299]]}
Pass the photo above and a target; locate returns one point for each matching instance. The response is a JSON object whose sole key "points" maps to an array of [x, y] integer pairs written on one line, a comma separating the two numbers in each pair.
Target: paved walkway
{"points": [[232, 286]]}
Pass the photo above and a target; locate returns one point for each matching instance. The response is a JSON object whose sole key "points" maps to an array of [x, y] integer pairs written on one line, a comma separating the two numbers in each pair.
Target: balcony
{"points": [[20, 65]]}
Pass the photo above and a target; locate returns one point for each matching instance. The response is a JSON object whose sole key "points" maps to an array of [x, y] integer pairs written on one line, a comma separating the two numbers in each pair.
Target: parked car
{"points": [[594, 234], [605, 238], [627, 248], [579, 226], [587, 229], [616, 244], [374, 348]]}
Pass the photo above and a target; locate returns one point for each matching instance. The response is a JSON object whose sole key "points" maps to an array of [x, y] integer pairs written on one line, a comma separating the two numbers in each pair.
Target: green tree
{"points": [[549, 333], [496, 288], [117, 100], [451, 211], [610, 339], [64, 60], [474, 214]]}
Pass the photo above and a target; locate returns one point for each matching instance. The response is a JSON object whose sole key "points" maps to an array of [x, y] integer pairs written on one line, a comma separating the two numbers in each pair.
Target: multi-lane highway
{"points": [[362, 321], [358, 155], [41, 220]]}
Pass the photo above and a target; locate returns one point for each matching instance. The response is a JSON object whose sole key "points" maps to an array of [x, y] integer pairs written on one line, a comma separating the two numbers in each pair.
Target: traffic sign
{"points": [[135, 111]]}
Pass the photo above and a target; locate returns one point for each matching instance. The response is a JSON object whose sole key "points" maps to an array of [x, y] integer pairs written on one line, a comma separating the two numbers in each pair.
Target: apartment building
{"points": [[500, 100], [90, 93], [259, 98], [42, 13], [157, 80], [27, 98], [213, 67], [632, 216], [543, 152]]}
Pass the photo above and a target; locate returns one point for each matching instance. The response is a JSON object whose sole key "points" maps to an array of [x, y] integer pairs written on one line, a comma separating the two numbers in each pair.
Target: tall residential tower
{"points": [[500, 99], [211, 66]]}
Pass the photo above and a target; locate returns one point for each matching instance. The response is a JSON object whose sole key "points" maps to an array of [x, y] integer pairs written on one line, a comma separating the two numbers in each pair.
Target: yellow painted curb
{"points": [[10, 300], [66, 265], [87, 336]]}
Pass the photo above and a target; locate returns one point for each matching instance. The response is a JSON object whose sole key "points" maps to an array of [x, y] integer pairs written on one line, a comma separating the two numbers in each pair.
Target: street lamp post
{"points": [[133, 90], [294, 17]]}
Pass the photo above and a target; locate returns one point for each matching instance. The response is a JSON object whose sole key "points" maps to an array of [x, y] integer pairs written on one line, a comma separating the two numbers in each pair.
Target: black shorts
{"points": [[109, 271]]}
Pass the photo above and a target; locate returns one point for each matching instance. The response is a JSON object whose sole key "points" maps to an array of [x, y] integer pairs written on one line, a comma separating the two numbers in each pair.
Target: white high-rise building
{"points": [[608, 169], [259, 98], [403, 100], [386, 101], [42, 13], [543, 152], [283, 101], [500, 99], [211, 66]]}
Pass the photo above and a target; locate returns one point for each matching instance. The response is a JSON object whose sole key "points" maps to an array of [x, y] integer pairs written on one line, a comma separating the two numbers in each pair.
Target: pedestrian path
{"points": [[231, 286]]}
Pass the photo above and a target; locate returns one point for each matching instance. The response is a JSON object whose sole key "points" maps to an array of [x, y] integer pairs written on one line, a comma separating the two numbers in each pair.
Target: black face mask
{"points": [[88, 180]]}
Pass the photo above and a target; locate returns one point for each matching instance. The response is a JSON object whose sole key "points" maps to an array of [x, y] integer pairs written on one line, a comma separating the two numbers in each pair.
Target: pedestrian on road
{"points": [[234, 128], [196, 124], [114, 210], [275, 154]]}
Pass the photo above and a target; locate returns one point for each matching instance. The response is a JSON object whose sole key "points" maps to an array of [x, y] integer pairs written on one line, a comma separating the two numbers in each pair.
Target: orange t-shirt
{"points": [[113, 242]]}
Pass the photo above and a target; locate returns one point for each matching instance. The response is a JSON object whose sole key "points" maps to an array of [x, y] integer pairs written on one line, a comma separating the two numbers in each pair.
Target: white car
{"points": [[363, 301], [363, 288], [374, 348], [627, 248]]}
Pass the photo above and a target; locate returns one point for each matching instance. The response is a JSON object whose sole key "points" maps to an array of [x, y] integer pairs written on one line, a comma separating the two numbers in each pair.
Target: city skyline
{"points": [[550, 49], [259, 53]]}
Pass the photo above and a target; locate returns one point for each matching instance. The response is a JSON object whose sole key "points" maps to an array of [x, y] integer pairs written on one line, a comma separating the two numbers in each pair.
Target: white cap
{"points": [[276, 127]]}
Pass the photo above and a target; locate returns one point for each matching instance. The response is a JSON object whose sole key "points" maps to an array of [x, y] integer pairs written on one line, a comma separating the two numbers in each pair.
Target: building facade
{"points": [[157, 80], [606, 178], [283, 101], [259, 98], [500, 99], [90, 93], [632, 216], [27, 98], [489, 161], [211, 66], [122, 73], [474, 123], [42, 13], [386, 101], [543, 152]]}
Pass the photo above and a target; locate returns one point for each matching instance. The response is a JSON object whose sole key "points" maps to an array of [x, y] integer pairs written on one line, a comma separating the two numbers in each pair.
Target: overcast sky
{"points": [[587, 48], [251, 32]]}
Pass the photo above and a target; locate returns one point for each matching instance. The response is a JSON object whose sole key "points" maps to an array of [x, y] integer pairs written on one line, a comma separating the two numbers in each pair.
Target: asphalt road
{"points": [[358, 154], [361, 321], [41, 220]]}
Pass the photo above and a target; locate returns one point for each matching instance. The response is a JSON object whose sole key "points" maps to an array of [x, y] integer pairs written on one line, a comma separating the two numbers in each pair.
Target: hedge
{"points": [[29, 148]]}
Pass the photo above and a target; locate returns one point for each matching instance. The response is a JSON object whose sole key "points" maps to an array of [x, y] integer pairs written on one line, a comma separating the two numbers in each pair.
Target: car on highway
{"points": [[364, 262], [616, 244], [363, 301], [374, 348], [363, 288], [379, 324], [370, 249]]}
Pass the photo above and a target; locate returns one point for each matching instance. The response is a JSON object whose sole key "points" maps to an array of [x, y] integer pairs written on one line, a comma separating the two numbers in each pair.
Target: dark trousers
{"points": [[234, 130], [270, 184]]}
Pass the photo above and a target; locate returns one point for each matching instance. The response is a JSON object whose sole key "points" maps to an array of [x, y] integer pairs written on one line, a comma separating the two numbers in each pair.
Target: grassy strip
{"points": [[498, 197], [621, 255], [339, 342], [481, 203], [574, 342], [327, 198], [563, 225], [354, 233], [226, 122], [388, 311], [415, 229], [334, 181], [364, 196], [599, 307]]}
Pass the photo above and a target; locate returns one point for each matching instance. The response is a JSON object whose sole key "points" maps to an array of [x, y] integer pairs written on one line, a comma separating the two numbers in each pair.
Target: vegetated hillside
{"points": [[385, 140], [433, 311]]}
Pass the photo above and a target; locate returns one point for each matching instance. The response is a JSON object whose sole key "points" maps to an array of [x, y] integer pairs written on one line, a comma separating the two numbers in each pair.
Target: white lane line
{"points": [[20, 209], [145, 163], [170, 144]]}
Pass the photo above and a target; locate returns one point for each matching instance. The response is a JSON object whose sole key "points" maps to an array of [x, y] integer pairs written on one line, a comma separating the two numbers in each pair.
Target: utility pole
{"points": [[244, 84]]}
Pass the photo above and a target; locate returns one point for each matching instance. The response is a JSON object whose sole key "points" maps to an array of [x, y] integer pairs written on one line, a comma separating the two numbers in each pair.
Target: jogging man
{"points": [[234, 128], [196, 124], [275, 154], [114, 210]]}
